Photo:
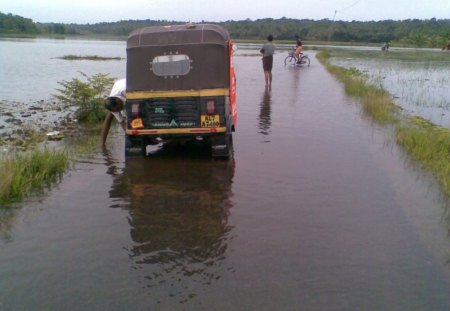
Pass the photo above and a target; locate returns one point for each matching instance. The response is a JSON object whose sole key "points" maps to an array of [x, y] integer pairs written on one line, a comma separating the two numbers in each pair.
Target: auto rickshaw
{"points": [[180, 86]]}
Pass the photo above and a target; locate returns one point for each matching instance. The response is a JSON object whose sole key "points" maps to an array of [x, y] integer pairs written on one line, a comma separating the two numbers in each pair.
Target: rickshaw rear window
{"points": [[171, 65]]}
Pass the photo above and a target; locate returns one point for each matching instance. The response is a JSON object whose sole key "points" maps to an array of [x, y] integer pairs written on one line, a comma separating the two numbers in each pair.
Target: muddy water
{"points": [[317, 211]]}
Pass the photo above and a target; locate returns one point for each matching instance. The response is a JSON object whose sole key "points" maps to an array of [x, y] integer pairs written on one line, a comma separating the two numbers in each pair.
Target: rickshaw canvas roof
{"points": [[178, 34], [204, 46]]}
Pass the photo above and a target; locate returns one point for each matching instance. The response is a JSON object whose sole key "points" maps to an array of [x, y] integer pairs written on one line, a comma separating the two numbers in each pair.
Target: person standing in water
{"points": [[267, 50]]}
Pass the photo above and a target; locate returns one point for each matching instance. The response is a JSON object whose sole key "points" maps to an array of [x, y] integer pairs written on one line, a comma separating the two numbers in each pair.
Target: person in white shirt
{"points": [[115, 104]]}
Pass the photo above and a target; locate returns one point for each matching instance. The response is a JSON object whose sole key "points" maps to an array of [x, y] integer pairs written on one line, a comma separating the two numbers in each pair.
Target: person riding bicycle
{"points": [[298, 48]]}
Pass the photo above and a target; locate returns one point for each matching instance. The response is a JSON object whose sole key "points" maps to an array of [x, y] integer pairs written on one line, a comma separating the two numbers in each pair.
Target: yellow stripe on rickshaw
{"points": [[193, 93]]}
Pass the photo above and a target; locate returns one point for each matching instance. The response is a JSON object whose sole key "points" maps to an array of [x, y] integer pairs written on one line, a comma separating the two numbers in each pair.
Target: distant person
{"points": [[267, 50], [446, 47], [115, 104], [298, 48]]}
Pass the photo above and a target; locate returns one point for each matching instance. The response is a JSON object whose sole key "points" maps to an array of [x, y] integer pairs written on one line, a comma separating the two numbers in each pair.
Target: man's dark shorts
{"points": [[267, 63]]}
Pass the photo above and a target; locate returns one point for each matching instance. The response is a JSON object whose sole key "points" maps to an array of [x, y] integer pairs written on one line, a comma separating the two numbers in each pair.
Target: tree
{"points": [[16, 24]]}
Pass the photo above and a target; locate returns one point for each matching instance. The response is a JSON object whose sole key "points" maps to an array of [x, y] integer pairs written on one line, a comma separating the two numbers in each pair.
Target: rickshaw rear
{"points": [[180, 85]]}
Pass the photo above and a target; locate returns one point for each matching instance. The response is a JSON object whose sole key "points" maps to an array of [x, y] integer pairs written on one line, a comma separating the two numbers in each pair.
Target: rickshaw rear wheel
{"points": [[222, 146], [135, 148]]}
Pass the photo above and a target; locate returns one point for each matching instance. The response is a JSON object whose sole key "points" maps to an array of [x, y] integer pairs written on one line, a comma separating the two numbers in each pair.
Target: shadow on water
{"points": [[179, 203]]}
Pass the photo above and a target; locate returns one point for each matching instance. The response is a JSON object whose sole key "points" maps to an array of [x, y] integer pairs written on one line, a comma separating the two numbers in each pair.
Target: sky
{"points": [[96, 11]]}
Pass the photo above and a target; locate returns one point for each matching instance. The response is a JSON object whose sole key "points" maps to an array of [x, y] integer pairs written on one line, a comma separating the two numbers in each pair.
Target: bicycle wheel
{"points": [[289, 60], [305, 61]]}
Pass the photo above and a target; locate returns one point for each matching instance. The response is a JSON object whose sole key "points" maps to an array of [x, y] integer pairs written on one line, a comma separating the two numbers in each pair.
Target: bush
{"points": [[87, 96]]}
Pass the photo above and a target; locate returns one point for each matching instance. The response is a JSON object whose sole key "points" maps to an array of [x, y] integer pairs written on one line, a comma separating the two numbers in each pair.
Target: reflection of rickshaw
{"points": [[180, 85], [177, 228]]}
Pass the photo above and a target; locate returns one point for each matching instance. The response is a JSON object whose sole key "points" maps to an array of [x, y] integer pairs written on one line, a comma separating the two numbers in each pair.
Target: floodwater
{"points": [[34, 67], [316, 211]]}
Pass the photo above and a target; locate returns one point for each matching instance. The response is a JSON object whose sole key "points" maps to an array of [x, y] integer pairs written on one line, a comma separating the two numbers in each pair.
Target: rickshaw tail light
{"points": [[210, 107], [135, 111]]}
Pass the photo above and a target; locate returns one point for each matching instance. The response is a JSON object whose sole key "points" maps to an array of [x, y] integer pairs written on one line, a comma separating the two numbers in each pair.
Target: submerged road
{"points": [[319, 210]]}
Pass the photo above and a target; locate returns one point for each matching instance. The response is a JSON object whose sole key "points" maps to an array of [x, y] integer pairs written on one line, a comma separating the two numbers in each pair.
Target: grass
{"points": [[377, 103], [30, 172], [429, 145], [425, 142]]}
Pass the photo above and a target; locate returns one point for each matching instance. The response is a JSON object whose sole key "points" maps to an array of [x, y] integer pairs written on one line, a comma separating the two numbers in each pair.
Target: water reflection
{"points": [[265, 112], [7, 220], [112, 164], [178, 216]]}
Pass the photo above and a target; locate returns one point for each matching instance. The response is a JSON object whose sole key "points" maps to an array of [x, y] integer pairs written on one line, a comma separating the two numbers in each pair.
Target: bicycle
{"points": [[292, 60]]}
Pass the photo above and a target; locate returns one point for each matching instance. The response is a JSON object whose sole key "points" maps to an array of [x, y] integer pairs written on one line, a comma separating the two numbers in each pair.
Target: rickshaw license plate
{"points": [[210, 120]]}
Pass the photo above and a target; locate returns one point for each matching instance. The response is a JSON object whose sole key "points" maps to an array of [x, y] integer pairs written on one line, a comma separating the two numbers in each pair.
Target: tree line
{"points": [[413, 32], [14, 24]]}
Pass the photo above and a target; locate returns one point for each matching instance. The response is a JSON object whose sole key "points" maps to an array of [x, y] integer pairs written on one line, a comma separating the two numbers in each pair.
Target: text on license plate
{"points": [[210, 120]]}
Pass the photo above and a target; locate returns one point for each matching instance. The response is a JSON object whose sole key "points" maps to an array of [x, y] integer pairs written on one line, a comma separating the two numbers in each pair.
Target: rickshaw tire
{"points": [[134, 150], [222, 146]]}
